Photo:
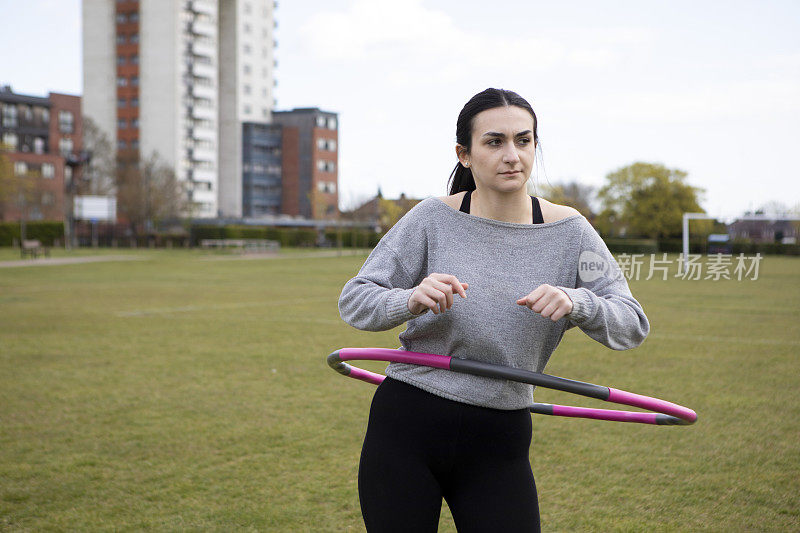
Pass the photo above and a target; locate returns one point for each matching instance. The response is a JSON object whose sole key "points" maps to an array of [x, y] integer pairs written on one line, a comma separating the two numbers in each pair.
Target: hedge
{"points": [[45, 232]]}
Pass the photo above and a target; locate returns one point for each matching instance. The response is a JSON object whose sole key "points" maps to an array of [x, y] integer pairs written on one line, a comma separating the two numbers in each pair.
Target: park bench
{"points": [[33, 248], [244, 245]]}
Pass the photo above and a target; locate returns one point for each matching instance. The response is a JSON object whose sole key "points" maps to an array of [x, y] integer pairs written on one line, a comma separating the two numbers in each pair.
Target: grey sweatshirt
{"points": [[502, 262]]}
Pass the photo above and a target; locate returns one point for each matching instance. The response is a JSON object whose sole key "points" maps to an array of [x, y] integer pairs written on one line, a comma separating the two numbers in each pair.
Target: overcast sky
{"points": [[711, 87]]}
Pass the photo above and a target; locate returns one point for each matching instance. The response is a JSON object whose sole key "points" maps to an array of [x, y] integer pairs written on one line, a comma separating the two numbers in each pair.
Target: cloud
{"points": [[412, 41]]}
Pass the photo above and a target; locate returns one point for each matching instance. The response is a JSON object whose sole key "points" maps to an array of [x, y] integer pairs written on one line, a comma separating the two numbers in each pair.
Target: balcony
{"points": [[203, 70], [199, 27], [204, 91], [203, 113], [203, 154]]}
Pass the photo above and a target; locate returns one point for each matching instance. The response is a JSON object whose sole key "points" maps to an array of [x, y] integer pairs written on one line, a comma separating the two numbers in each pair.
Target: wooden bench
{"points": [[245, 245], [33, 248]]}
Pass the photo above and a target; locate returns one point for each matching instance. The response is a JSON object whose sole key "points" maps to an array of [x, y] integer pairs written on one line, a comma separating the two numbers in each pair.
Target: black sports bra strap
{"points": [[537, 210], [465, 203]]}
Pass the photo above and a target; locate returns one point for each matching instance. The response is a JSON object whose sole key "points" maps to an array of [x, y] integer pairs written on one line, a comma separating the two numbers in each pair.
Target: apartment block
{"points": [[310, 162], [42, 138], [182, 78]]}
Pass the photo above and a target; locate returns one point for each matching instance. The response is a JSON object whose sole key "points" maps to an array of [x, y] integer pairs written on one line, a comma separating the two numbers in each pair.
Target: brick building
{"points": [[310, 160], [41, 137]]}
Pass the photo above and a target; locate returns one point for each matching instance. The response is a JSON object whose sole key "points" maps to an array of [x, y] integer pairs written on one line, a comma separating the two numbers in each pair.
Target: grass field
{"points": [[186, 392]]}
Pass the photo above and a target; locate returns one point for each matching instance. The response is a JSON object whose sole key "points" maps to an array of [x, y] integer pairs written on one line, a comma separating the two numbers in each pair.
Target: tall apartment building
{"points": [[181, 78], [310, 159], [42, 136]]}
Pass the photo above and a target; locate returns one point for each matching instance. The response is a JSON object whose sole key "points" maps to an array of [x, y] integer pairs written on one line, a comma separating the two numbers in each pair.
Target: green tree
{"points": [[648, 199]]}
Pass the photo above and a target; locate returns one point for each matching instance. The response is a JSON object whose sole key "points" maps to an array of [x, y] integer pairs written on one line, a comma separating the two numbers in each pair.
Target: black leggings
{"points": [[420, 448]]}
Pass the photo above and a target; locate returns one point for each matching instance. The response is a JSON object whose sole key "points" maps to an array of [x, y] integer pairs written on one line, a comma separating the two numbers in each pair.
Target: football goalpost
{"points": [[705, 216]]}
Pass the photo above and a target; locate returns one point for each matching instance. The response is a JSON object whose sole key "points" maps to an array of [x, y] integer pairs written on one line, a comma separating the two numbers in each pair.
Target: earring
{"points": [[466, 165]]}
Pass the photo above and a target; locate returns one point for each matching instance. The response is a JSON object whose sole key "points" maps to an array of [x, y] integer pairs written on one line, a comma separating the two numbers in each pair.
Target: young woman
{"points": [[487, 273]]}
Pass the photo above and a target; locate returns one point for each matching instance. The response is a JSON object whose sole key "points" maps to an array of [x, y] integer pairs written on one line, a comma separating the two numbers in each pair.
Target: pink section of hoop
{"points": [[604, 414], [395, 356], [653, 404], [365, 375]]}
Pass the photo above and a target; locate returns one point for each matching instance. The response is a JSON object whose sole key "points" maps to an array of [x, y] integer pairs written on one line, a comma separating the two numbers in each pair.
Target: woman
{"points": [[499, 272]]}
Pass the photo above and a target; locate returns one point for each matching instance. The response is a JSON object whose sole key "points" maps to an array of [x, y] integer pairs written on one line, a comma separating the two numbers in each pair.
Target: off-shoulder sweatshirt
{"points": [[502, 262]]}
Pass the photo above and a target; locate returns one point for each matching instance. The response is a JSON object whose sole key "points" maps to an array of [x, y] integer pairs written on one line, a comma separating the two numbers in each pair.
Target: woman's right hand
{"points": [[436, 293]]}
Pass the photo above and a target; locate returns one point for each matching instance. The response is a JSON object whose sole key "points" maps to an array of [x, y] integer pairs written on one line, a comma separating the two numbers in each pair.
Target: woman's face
{"points": [[503, 150]]}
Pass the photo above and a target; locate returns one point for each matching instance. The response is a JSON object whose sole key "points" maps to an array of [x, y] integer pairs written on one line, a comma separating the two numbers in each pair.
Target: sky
{"points": [[711, 88]]}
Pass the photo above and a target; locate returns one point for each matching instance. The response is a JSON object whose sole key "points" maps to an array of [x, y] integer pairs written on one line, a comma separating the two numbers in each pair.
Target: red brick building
{"points": [[310, 163], [41, 138]]}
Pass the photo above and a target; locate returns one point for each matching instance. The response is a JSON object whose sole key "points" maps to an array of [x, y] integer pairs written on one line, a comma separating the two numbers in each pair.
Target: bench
{"points": [[245, 245], [33, 248]]}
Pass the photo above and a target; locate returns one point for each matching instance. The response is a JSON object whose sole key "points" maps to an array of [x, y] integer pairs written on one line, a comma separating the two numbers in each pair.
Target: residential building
{"points": [[42, 138], [310, 162], [181, 79]]}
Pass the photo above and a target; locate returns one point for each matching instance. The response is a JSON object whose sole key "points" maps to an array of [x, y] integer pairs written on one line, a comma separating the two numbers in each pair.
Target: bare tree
{"points": [[573, 194], [148, 193]]}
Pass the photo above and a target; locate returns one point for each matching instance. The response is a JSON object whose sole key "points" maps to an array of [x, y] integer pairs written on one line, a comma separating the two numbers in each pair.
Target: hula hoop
{"points": [[665, 413]]}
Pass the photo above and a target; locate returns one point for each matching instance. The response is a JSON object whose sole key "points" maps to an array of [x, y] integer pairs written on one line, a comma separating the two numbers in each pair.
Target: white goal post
{"points": [[704, 216]]}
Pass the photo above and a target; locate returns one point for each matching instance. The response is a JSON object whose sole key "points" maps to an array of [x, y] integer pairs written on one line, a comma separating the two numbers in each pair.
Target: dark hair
{"points": [[461, 178]]}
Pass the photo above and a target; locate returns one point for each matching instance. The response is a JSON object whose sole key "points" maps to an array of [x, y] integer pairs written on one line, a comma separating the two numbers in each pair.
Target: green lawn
{"points": [[182, 393]]}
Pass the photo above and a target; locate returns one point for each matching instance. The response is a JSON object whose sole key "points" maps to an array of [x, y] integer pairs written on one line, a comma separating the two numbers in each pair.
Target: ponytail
{"points": [[461, 179]]}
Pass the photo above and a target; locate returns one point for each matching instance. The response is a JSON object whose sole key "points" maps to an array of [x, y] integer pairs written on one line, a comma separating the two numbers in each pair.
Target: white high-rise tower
{"points": [[179, 77]]}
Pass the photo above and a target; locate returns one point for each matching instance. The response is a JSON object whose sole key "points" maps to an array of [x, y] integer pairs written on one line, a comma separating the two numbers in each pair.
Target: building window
{"points": [[321, 165], [45, 115], [134, 60], [247, 109], [320, 121], [135, 144], [9, 116], [134, 102], [122, 124], [134, 38], [321, 144], [120, 39], [265, 112], [247, 28], [66, 122], [67, 172], [331, 123], [121, 144], [121, 102], [247, 69], [48, 170], [135, 123], [11, 140], [65, 146], [247, 8], [121, 18], [20, 168], [28, 111], [120, 60], [247, 89], [122, 82], [38, 145], [135, 81], [247, 49], [133, 17]]}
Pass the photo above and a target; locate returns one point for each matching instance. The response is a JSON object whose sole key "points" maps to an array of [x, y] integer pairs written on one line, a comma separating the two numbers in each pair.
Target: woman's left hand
{"points": [[550, 302]]}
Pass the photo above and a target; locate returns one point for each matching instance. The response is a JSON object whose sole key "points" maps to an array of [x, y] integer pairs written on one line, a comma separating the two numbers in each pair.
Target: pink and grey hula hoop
{"points": [[665, 413]]}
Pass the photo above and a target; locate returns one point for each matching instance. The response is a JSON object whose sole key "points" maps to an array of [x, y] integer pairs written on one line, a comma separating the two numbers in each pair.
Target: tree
{"points": [[148, 193], [101, 164], [18, 194], [648, 199], [573, 194]]}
